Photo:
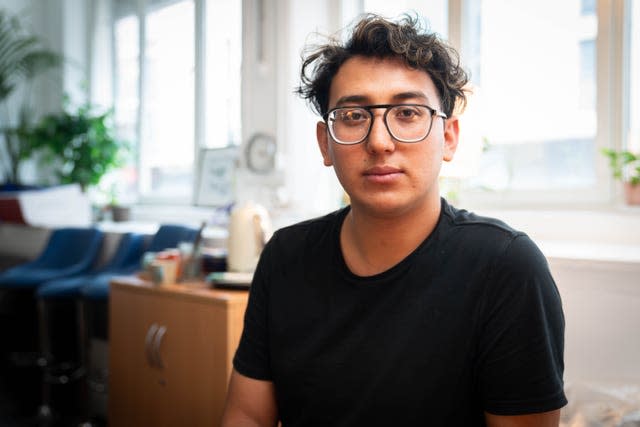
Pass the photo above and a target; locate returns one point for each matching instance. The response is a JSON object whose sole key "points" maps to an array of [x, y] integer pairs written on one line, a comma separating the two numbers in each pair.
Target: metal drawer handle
{"points": [[156, 346], [147, 344]]}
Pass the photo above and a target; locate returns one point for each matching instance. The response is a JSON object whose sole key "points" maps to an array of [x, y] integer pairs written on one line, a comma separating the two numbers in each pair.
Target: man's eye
{"points": [[352, 116], [407, 113]]}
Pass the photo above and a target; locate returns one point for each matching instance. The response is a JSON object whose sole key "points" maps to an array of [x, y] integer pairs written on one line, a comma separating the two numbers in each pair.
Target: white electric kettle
{"points": [[249, 230]]}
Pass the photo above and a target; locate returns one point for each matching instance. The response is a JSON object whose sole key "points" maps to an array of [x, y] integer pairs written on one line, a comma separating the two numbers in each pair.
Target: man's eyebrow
{"points": [[404, 96], [352, 99], [362, 99]]}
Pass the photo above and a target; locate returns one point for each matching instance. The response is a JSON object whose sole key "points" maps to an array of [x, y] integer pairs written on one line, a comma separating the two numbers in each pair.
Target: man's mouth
{"points": [[383, 173]]}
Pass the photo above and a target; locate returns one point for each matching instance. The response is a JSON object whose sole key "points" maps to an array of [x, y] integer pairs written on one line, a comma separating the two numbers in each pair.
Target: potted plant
{"points": [[22, 58], [80, 145], [119, 212], [625, 166]]}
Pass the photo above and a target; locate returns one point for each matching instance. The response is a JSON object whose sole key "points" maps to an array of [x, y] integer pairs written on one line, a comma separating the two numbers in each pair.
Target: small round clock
{"points": [[260, 153]]}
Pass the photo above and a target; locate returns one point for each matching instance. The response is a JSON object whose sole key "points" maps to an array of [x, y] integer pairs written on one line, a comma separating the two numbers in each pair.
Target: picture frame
{"points": [[215, 184]]}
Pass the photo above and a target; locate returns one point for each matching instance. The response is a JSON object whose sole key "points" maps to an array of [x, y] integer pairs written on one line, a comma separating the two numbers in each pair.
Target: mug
{"points": [[164, 271]]}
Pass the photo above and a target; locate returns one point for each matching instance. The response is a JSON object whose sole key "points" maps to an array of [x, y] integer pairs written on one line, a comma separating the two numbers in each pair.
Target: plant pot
{"points": [[632, 193], [120, 213]]}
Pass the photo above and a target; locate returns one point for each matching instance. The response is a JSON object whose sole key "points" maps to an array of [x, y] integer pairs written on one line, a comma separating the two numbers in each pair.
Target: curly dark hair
{"points": [[375, 36]]}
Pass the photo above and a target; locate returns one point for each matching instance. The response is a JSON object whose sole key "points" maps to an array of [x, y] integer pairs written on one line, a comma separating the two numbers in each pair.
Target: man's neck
{"points": [[372, 244]]}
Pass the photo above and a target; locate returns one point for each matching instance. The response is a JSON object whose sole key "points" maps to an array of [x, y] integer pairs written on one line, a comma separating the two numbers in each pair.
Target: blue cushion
{"points": [[98, 287], [126, 260], [63, 288]]}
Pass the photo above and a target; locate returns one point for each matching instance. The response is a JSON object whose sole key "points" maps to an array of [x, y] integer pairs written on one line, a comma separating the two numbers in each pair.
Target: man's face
{"points": [[385, 177]]}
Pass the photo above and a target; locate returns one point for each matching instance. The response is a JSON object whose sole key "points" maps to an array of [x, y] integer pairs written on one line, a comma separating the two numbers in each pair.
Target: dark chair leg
{"points": [[97, 381], [44, 410], [63, 368], [83, 358], [19, 351]]}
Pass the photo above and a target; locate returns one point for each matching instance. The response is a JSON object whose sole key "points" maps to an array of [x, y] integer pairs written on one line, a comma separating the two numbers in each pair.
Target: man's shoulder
{"points": [[469, 224], [507, 248]]}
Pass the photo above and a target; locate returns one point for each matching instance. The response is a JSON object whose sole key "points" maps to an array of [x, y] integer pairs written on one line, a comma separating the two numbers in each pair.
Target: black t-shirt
{"points": [[471, 321]]}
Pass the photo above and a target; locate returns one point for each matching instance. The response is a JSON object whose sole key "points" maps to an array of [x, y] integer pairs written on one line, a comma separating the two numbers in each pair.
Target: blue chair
{"points": [[66, 367], [69, 252]]}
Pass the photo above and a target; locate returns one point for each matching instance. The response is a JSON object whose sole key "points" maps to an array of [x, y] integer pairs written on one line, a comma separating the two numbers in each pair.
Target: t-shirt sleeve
{"points": [[252, 356], [520, 364]]}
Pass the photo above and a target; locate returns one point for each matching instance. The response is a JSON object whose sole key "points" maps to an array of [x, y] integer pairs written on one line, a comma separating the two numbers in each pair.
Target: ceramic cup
{"points": [[164, 272]]}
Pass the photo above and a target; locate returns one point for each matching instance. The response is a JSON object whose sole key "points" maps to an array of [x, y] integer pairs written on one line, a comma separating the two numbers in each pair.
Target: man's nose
{"points": [[379, 139]]}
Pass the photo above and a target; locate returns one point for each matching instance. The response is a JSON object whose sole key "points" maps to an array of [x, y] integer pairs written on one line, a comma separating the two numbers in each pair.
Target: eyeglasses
{"points": [[404, 122]]}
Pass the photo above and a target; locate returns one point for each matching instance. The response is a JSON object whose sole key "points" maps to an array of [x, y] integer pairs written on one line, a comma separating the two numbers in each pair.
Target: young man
{"points": [[398, 310]]}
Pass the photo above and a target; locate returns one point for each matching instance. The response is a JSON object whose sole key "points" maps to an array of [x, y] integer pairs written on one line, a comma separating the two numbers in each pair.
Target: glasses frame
{"points": [[368, 108]]}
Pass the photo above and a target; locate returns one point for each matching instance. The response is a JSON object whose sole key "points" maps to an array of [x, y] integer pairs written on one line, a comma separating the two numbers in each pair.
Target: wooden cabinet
{"points": [[171, 350]]}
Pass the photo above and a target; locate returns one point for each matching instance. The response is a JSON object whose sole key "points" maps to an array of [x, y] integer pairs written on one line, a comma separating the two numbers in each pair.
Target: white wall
{"points": [[601, 301], [271, 67], [312, 185], [595, 259], [45, 20], [12, 5], [62, 25]]}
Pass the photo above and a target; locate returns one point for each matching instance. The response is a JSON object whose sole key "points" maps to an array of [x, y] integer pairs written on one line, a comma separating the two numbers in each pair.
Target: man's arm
{"points": [[250, 403], [544, 419]]}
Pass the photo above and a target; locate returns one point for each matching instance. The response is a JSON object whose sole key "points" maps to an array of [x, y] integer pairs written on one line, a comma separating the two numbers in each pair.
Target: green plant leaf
{"points": [[82, 141], [624, 164]]}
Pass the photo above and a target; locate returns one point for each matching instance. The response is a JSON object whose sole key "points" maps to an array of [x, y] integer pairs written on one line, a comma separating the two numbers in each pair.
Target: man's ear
{"points": [[451, 134], [322, 135]]}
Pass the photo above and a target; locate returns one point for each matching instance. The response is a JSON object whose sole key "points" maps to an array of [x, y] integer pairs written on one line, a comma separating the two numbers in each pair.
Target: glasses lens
{"points": [[409, 123], [349, 125]]}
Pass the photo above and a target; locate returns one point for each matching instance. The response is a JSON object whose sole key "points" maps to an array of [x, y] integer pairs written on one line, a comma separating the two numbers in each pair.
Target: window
{"points": [[166, 53], [531, 125], [588, 7], [122, 184], [223, 73], [534, 84], [587, 74], [167, 130], [633, 137]]}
